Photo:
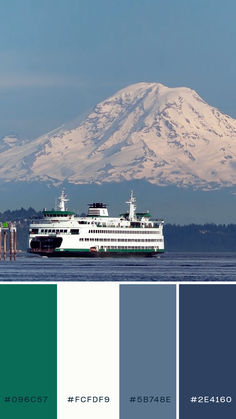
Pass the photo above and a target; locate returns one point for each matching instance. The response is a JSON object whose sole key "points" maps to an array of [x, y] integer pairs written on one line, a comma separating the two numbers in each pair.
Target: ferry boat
{"points": [[62, 233]]}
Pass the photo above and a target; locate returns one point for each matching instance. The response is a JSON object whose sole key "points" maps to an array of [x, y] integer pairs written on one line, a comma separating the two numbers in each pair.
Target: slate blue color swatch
{"points": [[147, 351]]}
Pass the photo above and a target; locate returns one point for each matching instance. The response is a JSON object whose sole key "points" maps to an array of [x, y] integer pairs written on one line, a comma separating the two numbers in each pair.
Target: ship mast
{"points": [[62, 200], [132, 207]]}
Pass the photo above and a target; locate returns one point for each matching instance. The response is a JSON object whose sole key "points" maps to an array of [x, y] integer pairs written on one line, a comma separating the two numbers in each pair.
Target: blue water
{"points": [[167, 267]]}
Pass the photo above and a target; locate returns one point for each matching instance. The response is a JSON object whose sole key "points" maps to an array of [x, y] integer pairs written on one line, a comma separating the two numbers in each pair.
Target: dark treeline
{"points": [[198, 238], [188, 238], [19, 215], [22, 217]]}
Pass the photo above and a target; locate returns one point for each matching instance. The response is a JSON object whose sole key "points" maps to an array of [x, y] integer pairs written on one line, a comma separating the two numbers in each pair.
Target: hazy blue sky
{"points": [[58, 58]]}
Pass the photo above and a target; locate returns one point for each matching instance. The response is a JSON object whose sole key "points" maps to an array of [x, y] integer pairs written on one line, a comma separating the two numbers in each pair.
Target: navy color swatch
{"points": [[207, 351]]}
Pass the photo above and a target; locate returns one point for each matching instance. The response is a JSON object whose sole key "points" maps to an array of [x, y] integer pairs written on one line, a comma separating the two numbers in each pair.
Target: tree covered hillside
{"points": [[22, 218], [200, 238]]}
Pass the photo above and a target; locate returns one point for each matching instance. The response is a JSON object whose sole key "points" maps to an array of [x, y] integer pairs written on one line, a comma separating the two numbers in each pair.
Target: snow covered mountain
{"points": [[144, 131]]}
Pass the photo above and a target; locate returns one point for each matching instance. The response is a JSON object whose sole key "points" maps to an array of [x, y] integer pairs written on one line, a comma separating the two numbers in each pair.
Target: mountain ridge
{"points": [[167, 136]]}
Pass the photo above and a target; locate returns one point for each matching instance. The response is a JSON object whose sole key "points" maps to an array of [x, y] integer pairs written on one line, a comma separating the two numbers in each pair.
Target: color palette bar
{"points": [[207, 351], [107, 350], [28, 351], [147, 351]]}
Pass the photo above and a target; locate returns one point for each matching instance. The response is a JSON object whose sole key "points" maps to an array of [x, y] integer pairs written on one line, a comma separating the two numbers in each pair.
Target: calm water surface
{"points": [[167, 267]]}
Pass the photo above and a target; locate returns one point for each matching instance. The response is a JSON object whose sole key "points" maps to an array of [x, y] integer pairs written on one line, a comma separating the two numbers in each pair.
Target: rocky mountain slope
{"points": [[145, 131]]}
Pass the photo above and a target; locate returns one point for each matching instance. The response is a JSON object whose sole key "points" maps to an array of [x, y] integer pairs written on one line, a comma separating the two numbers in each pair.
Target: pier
{"points": [[8, 240]]}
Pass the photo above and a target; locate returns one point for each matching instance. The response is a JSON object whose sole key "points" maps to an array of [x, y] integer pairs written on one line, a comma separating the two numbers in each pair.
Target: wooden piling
{"points": [[10, 242], [14, 239], [8, 237], [5, 245]]}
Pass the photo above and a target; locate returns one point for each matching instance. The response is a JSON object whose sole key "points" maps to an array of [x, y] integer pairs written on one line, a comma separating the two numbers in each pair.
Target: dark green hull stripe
{"points": [[111, 250], [88, 253], [28, 351]]}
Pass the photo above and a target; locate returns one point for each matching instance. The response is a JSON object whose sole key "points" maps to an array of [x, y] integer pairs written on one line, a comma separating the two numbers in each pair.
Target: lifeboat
{"points": [[93, 249]]}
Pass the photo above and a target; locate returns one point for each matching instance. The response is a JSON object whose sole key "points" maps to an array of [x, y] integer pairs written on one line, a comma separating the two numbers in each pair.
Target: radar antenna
{"points": [[62, 200], [132, 207]]}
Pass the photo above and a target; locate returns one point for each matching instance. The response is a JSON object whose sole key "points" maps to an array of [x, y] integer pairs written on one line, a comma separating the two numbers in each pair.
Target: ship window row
{"points": [[57, 231], [76, 231], [123, 231], [84, 222], [120, 240], [129, 247], [49, 230], [55, 215]]}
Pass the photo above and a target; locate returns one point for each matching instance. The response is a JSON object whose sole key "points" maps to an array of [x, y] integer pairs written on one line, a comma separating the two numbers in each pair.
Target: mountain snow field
{"points": [[144, 131]]}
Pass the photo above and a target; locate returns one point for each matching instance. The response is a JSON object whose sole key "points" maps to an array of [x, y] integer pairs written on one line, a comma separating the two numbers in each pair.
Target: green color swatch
{"points": [[28, 351]]}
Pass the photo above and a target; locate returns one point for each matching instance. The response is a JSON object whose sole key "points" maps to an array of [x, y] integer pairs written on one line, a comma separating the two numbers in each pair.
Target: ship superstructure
{"points": [[62, 233]]}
